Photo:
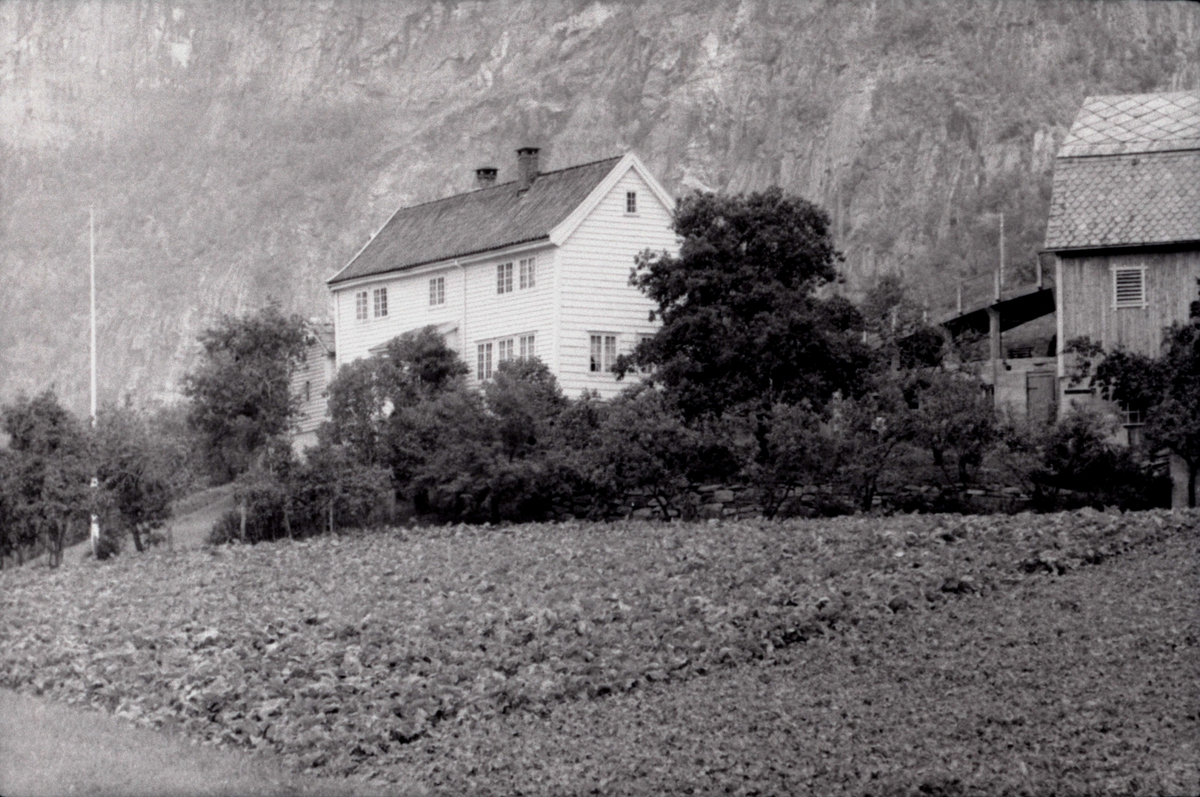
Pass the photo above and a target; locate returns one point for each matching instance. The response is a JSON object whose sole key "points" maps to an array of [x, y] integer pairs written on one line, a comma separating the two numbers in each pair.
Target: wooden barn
{"points": [[1124, 228]]}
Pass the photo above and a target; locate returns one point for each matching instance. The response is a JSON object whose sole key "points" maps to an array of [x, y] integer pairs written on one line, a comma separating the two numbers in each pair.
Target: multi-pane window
{"points": [[504, 282], [528, 346], [437, 291], [1129, 287], [504, 350], [528, 272], [604, 353], [360, 306], [631, 201], [380, 299], [483, 369]]}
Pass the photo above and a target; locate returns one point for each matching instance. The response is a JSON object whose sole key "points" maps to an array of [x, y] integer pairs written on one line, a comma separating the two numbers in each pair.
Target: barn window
{"points": [[1129, 287]]}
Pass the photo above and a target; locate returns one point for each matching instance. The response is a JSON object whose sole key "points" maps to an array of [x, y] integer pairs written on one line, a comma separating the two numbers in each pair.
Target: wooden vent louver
{"points": [[1129, 287]]}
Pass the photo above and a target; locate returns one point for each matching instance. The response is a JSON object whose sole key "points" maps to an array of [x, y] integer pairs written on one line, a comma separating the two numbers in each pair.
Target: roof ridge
{"points": [[501, 185]]}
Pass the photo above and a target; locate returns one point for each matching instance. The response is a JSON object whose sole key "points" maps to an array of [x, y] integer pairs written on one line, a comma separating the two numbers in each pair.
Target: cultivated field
{"points": [[915, 654]]}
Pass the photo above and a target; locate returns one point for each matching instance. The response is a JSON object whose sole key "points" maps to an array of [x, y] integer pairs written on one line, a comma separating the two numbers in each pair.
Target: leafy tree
{"points": [[49, 474], [134, 469], [526, 401], [240, 391], [743, 320], [643, 446], [367, 395], [954, 416], [1079, 456]]}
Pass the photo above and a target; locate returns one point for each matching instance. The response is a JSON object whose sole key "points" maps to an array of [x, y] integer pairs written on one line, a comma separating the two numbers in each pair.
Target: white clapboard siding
{"points": [[310, 381], [492, 316], [408, 309], [595, 294]]}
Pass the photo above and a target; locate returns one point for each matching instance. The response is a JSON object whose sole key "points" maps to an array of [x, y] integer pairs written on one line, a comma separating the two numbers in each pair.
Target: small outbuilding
{"points": [[1124, 229]]}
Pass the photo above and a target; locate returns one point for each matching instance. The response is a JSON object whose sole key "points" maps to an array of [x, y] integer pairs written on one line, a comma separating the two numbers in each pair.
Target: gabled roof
{"points": [[477, 221], [1128, 174]]}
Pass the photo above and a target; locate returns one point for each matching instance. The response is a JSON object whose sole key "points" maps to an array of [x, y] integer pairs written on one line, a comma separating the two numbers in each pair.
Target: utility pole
{"points": [[95, 527]]}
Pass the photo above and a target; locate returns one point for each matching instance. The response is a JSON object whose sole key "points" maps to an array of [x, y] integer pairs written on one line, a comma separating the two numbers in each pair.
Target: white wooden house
{"points": [[538, 266]]}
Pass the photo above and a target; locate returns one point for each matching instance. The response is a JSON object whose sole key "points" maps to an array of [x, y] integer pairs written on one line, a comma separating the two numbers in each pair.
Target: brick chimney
{"points": [[485, 177], [527, 167]]}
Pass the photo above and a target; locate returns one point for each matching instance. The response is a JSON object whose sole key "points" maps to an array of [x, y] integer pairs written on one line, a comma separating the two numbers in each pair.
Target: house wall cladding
{"points": [[1170, 288], [594, 291]]}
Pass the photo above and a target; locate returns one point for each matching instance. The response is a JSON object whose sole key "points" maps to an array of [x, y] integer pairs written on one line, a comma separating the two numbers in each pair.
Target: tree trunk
{"points": [[331, 516], [242, 528], [1193, 467], [137, 538]]}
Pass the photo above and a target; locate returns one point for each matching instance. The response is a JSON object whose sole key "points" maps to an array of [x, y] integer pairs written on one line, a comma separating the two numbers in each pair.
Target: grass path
{"points": [[50, 749]]}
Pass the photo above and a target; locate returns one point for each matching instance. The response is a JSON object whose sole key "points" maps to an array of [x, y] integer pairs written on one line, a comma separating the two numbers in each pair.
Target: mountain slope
{"points": [[240, 152]]}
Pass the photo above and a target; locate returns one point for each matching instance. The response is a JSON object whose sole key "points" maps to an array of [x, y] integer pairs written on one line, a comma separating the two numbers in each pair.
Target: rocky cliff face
{"points": [[240, 152]]}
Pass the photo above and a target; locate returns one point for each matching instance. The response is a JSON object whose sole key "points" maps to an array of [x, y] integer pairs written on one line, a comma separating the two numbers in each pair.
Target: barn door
{"points": [[1041, 396]]}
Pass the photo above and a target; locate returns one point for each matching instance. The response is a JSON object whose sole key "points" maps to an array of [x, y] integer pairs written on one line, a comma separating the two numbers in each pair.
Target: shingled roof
{"points": [[1128, 174], [477, 221]]}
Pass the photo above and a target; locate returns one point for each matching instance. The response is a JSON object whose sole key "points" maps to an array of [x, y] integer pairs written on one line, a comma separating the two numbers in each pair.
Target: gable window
{"points": [[504, 278], [380, 297], [604, 353], [528, 346], [437, 291], [1129, 287], [360, 306], [528, 272], [631, 202], [483, 369]]}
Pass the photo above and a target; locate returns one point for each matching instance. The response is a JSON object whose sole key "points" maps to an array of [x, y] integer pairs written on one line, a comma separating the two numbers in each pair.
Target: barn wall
{"points": [[1087, 298]]}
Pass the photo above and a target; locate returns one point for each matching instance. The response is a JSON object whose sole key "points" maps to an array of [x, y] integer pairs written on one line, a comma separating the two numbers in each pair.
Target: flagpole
{"points": [[95, 527]]}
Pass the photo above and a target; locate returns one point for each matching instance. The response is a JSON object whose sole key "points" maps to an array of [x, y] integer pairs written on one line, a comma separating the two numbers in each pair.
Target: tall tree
{"points": [[135, 470], [49, 472], [743, 319], [240, 391]]}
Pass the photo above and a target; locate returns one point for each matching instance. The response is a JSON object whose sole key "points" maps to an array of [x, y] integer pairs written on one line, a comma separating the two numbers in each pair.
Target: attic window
{"points": [[631, 202], [1129, 287]]}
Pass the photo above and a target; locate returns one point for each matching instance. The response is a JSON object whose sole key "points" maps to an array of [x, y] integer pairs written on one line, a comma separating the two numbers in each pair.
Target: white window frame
{"points": [[602, 352], [483, 361], [1117, 272], [504, 350], [379, 302], [631, 203], [362, 305], [437, 291], [528, 348], [528, 273], [504, 278]]}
